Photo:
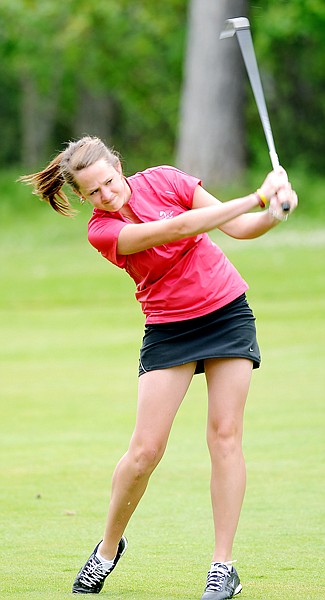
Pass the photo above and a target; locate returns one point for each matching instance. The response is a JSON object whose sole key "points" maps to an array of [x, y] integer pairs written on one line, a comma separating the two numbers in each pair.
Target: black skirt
{"points": [[228, 332]]}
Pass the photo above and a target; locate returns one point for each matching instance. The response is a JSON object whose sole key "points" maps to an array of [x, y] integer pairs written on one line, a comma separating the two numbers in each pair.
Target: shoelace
{"points": [[216, 578], [93, 572]]}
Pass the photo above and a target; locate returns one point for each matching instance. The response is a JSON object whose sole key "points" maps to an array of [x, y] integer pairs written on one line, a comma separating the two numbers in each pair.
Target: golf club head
{"points": [[231, 26]]}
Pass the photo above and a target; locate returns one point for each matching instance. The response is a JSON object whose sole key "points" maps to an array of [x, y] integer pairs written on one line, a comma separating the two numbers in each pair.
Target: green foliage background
{"points": [[134, 53], [291, 49], [130, 50]]}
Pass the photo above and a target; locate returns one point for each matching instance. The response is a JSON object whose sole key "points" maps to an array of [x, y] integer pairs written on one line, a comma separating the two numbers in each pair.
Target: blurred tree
{"points": [[109, 68], [211, 140], [9, 125], [95, 68], [290, 42], [115, 69], [131, 67], [33, 57]]}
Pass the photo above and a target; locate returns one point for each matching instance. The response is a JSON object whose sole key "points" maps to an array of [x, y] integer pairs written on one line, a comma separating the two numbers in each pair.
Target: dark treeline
{"points": [[115, 69]]}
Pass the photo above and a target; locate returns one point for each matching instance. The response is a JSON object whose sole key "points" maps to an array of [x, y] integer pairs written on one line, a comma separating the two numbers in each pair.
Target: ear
{"points": [[81, 198], [118, 168]]}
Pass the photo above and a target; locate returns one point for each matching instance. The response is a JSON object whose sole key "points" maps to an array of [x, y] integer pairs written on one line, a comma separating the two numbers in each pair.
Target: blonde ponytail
{"points": [[63, 169], [48, 186]]}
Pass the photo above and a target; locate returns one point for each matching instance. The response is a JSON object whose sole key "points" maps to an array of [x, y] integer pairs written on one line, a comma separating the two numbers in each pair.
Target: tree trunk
{"points": [[38, 113], [94, 115], [211, 137]]}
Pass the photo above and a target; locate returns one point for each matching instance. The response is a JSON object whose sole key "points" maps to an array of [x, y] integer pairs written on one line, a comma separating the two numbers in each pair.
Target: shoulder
{"points": [[152, 173], [163, 175], [103, 221], [99, 215]]}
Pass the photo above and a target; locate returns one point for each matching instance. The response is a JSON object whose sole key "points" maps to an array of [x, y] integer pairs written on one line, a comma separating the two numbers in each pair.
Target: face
{"points": [[103, 186]]}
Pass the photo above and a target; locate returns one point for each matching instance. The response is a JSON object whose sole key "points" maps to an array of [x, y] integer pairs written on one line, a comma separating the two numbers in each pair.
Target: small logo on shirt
{"points": [[166, 214]]}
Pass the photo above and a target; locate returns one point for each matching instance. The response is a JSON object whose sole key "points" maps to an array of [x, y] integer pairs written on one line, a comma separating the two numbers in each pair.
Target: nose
{"points": [[106, 194]]}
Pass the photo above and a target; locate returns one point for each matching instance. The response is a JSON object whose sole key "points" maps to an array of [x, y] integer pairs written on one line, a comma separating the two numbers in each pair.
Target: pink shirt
{"points": [[177, 281]]}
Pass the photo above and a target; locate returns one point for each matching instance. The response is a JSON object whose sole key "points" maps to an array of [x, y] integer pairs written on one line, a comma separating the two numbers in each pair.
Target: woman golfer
{"points": [[153, 225]]}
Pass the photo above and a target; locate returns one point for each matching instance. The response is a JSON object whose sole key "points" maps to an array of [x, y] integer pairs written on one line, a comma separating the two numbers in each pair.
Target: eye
{"points": [[108, 181], [93, 193]]}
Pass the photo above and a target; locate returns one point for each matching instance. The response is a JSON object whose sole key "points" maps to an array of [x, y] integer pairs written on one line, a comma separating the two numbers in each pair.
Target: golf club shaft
{"points": [[248, 53]]}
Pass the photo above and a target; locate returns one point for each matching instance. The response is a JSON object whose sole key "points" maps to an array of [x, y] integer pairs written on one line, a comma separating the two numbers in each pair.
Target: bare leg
{"points": [[160, 395], [228, 383]]}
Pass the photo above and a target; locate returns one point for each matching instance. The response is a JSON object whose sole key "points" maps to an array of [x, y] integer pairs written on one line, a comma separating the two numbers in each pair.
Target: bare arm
{"points": [[209, 214], [249, 226], [137, 237], [246, 226]]}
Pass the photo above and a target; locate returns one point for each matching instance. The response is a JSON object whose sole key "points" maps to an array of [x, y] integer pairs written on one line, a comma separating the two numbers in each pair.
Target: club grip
{"points": [[275, 164]]}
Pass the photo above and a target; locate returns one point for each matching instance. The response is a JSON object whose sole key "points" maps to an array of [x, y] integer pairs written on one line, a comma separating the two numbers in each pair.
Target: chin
{"points": [[110, 208]]}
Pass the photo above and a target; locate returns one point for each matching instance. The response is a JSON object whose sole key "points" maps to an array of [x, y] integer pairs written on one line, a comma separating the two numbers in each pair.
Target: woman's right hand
{"points": [[274, 182], [277, 189]]}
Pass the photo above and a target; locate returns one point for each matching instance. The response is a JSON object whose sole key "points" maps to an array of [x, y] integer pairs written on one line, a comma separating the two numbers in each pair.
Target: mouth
{"points": [[110, 202], [112, 205]]}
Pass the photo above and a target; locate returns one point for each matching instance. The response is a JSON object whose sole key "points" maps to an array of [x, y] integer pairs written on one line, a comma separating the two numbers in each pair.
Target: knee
{"points": [[145, 458], [224, 440]]}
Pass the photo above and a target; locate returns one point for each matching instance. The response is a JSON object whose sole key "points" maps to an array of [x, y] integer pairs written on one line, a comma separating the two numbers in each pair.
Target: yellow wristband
{"points": [[263, 201]]}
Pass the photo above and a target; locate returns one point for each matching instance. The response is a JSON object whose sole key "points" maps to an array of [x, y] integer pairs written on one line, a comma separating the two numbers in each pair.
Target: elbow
{"points": [[181, 229]]}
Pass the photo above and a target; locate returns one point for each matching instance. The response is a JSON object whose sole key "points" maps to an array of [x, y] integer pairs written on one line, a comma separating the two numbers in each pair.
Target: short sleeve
{"points": [[103, 233], [183, 184]]}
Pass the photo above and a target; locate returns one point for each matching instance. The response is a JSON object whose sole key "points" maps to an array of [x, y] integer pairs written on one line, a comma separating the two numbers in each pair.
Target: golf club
{"points": [[241, 26]]}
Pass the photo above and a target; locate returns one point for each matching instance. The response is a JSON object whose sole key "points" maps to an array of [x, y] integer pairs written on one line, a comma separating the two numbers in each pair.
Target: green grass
{"points": [[70, 331]]}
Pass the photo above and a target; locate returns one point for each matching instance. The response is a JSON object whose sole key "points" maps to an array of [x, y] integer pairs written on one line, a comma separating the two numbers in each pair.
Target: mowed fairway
{"points": [[70, 334]]}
